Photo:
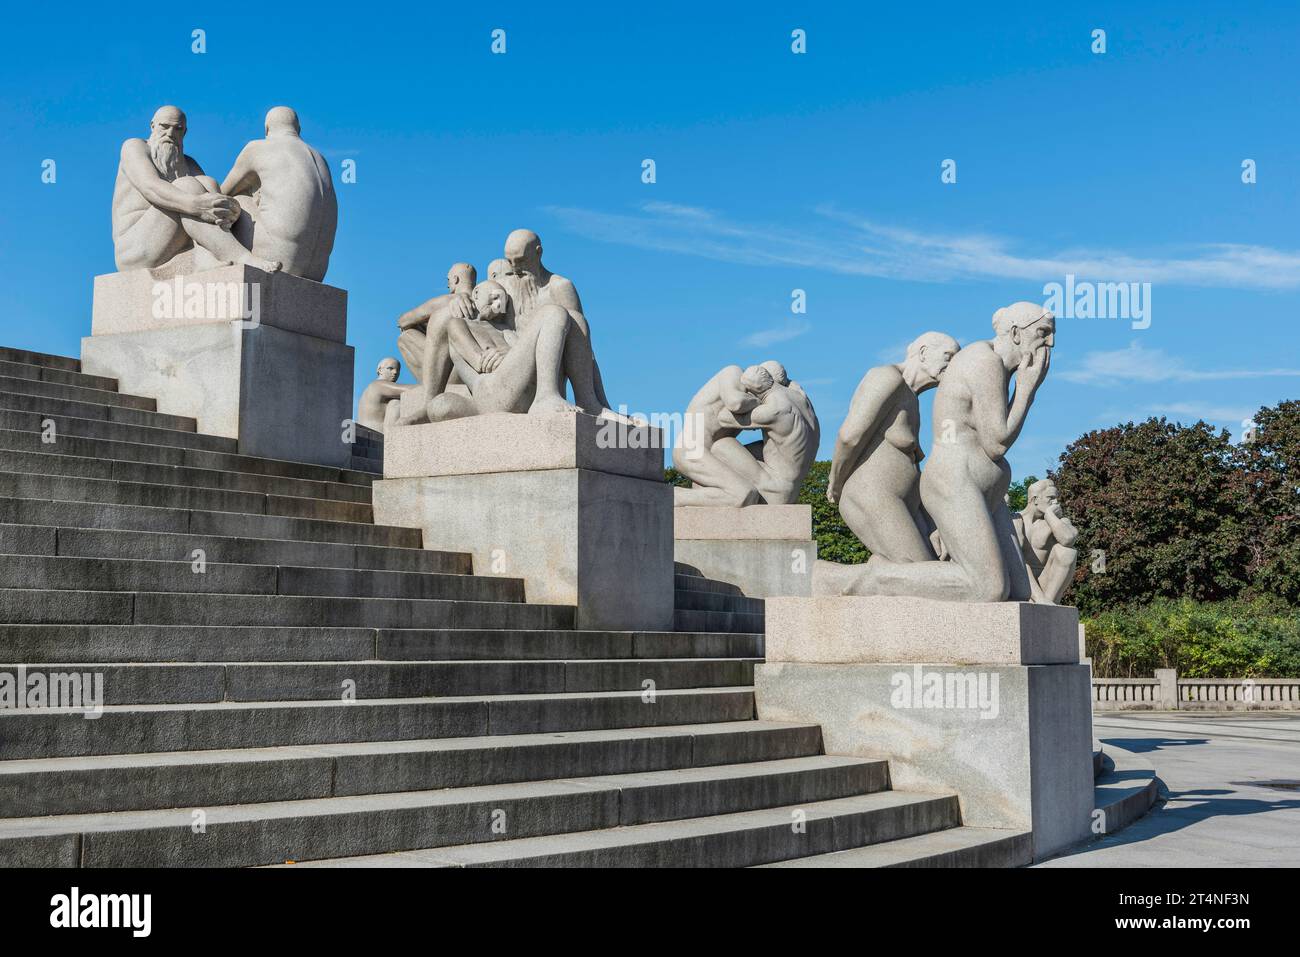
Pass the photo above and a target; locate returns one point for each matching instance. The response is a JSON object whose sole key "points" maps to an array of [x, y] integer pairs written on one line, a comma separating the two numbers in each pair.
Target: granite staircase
{"points": [[285, 681]]}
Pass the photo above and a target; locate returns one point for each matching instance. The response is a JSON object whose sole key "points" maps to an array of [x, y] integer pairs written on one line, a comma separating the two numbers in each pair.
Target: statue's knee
{"points": [[991, 588], [192, 184]]}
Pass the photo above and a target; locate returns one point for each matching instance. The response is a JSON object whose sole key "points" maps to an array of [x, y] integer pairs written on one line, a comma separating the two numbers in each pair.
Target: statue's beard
{"points": [[169, 159], [525, 293]]}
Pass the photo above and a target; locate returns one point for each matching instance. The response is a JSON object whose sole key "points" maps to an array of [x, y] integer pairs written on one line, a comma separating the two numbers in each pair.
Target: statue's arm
{"points": [[862, 421], [997, 426], [242, 178], [564, 293], [420, 314], [138, 167], [1062, 528]]}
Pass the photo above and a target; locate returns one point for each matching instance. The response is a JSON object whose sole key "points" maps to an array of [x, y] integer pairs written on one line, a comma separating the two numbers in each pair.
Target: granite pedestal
{"points": [[764, 550], [542, 498], [258, 357], [988, 700]]}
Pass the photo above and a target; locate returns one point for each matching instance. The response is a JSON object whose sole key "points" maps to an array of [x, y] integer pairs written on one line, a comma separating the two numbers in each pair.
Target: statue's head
{"points": [[168, 124], [1042, 495], [756, 380], [1024, 327], [167, 142], [491, 300], [931, 352], [524, 252], [776, 371], [281, 120], [389, 369], [498, 268], [461, 278]]}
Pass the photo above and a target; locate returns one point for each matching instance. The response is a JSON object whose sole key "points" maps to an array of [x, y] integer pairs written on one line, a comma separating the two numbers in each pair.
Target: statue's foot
{"points": [[257, 262], [542, 406]]}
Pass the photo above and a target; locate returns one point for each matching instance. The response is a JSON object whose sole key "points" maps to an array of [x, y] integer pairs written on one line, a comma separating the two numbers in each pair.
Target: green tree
{"points": [[835, 541], [1162, 512], [1269, 455]]}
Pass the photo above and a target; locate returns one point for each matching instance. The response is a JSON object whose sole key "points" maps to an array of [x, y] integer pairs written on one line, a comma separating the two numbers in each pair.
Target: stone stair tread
{"points": [[29, 370], [922, 849], [111, 709], [317, 807], [341, 749], [42, 388], [552, 845], [68, 363], [141, 452]]}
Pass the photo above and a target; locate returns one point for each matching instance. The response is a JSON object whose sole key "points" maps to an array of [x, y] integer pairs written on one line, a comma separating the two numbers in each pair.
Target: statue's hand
{"points": [[462, 307], [1034, 366], [215, 208], [832, 495], [489, 360]]}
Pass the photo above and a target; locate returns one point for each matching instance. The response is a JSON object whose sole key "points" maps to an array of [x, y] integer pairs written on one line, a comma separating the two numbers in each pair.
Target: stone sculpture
{"points": [[1046, 539], [474, 349], [509, 370], [284, 188], [413, 339], [967, 476], [164, 205], [875, 476], [721, 469], [380, 402], [275, 211]]}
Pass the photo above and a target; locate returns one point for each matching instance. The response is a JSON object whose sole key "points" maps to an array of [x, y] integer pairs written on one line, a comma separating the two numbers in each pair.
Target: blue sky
{"points": [[775, 172]]}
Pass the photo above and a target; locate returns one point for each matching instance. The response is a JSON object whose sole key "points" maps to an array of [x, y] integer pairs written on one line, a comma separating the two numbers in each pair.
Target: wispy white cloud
{"points": [[834, 241], [1138, 364], [790, 329], [1191, 411]]}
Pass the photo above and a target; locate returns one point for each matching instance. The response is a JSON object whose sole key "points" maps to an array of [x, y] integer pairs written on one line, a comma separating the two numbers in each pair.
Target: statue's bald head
{"points": [[168, 119], [461, 277], [524, 251], [282, 119]]}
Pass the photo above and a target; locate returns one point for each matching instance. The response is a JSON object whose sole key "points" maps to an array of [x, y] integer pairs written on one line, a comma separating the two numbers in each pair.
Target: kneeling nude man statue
{"points": [[527, 374], [874, 475], [163, 204]]}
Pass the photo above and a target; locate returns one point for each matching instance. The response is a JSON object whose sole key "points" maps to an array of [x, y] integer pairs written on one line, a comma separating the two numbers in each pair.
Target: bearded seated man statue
{"points": [[515, 371]]}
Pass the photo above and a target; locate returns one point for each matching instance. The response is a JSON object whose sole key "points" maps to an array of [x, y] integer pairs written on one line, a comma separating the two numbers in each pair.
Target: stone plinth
{"points": [[252, 356], [1012, 736], [541, 497], [870, 630], [765, 550]]}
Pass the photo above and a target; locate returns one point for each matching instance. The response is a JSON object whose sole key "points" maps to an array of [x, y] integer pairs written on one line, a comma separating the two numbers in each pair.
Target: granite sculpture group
{"points": [[519, 341]]}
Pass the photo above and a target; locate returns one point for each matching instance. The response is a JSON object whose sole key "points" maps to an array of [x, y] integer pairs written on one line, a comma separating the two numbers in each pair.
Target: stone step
{"points": [[53, 407], [217, 643], [113, 430], [130, 729], [71, 488], [699, 600], [177, 455], [75, 393], [60, 607], [174, 779], [26, 370], [11, 439], [149, 518], [263, 834], [693, 620], [686, 582], [955, 847], [128, 684], [67, 363], [40, 572], [51, 462], [741, 839], [173, 546]]}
